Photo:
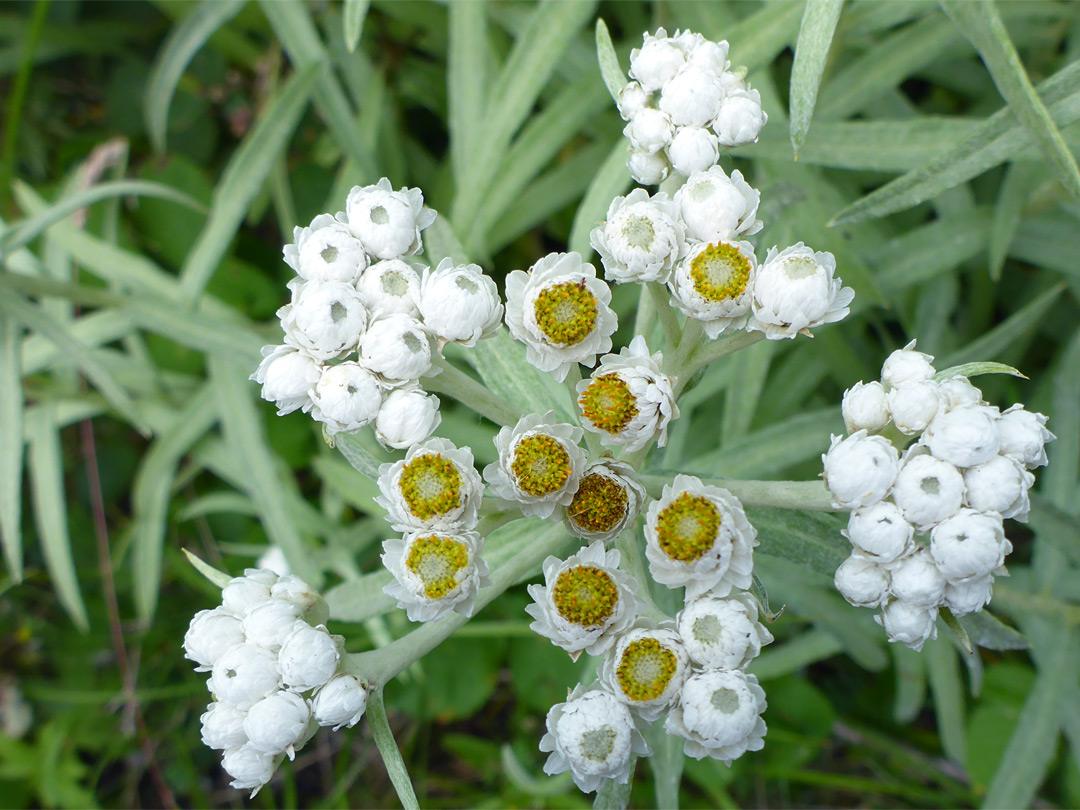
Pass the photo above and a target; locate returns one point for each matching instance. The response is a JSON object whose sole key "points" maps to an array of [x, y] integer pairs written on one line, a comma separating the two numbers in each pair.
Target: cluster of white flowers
{"points": [[359, 290], [686, 103], [275, 674], [967, 470]]}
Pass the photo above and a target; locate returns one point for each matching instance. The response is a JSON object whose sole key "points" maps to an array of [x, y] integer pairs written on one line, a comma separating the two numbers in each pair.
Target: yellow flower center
{"points": [[599, 504], [431, 486], [720, 272], [541, 465], [687, 527], [565, 313], [608, 403], [645, 669], [437, 560], [585, 595]]}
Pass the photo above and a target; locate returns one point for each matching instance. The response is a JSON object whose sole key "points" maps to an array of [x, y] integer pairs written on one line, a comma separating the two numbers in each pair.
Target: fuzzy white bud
{"points": [[906, 365], [917, 581], [880, 533], [864, 407], [341, 702], [408, 416], [222, 726], [969, 595], [650, 130], [244, 675], [277, 723], [249, 767], [286, 375], [458, 303], [913, 405], [241, 594], [267, 624], [290, 588], [324, 319], [969, 544], [209, 635], [390, 287], [693, 149], [965, 436], [957, 391], [862, 582], [1000, 485], [1023, 435], [692, 97], [860, 469], [347, 398], [648, 168], [740, 118], [309, 657], [632, 98], [656, 62], [908, 624], [396, 347], [928, 490]]}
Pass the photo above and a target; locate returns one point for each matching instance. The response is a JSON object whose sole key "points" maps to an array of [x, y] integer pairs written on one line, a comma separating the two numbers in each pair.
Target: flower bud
{"points": [[965, 436], [906, 365], [656, 62], [310, 603], [397, 348], [209, 635], [969, 544], [632, 98], [341, 702], [957, 391], [347, 398], [309, 657], [969, 595], [693, 149], [408, 416], [862, 582], [328, 252], [248, 767], [740, 118], [864, 407], [712, 56], [642, 238], [716, 207], [390, 287], [908, 624], [222, 726], [267, 624], [797, 288], [927, 490], [917, 581], [244, 675], [880, 533], [241, 594], [388, 222], [277, 723], [1022, 435], [648, 168], [1000, 485], [458, 303], [913, 405], [650, 130], [692, 97], [325, 318], [860, 469], [722, 633], [286, 375]]}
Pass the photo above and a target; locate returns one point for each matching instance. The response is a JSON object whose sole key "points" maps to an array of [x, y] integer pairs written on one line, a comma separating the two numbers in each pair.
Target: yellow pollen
{"points": [[565, 313], [431, 486], [436, 560], [608, 403], [599, 504], [720, 272], [541, 465], [687, 527], [585, 595], [645, 669]]}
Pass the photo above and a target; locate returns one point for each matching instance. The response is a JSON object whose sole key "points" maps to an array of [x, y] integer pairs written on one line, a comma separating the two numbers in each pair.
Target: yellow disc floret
{"points": [[608, 404], [585, 595], [599, 504], [540, 465], [431, 486], [437, 560], [720, 272], [645, 669], [565, 313], [687, 527]]}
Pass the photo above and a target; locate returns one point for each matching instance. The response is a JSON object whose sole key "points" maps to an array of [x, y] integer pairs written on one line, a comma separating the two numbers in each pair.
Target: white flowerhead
{"points": [[1000, 485], [717, 207], [607, 501], [917, 581], [628, 400], [341, 702], [290, 588], [407, 416], [268, 624], [796, 289], [1022, 435], [388, 222], [927, 490], [692, 96], [642, 238], [390, 287], [309, 657], [965, 436], [286, 375], [346, 398], [222, 726], [458, 303], [865, 408], [714, 285], [707, 54], [740, 118], [906, 365], [249, 767], [649, 130], [646, 669], [326, 251], [698, 536], [957, 391], [693, 149], [880, 533], [592, 735], [561, 311], [241, 594], [632, 98], [325, 319], [434, 487], [585, 603], [969, 545], [719, 715], [210, 634], [435, 573], [278, 723], [859, 469], [722, 633], [397, 348], [244, 675], [648, 168], [969, 595], [908, 624], [913, 405], [539, 466], [862, 582], [657, 61]]}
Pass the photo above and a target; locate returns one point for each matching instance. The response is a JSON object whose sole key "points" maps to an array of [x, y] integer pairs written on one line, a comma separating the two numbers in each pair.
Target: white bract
{"points": [[722, 633], [716, 207], [642, 238], [693, 149], [917, 581], [278, 723], [209, 635], [341, 702], [796, 289], [459, 303], [309, 657], [434, 487], [388, 222], [880, 533], [286, 376], [927, 490], [714, 284], [406, 417], [390, 287], [435, 573], [864, 407], [346, 398], [741, 118], [719, 715], [969, 545], [1000, 485], [913, 405], [1022, 435], [222, 726], [397, 348], [607, 501], [965, 436], [906, 365], [324, 319], [862, 582], [244, 675], [646, 669], [908, 624], [859, 470], [241, 594]]}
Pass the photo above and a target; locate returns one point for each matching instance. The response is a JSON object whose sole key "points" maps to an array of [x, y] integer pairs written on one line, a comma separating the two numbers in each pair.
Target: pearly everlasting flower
{"points": [[908, 624], [210, 634], [244, 675], [341, 702], [965, 436], [740, 118], [691, 98], [913, 405], [697, 535], [714, 284], [458, 303], [388, 222], [607, 501], [880, 533], [646, 669], [917, 581], [649, 130], [648, 168], [249, 768], [277, 724], [628, 400], [346, 398], [927, 490], [561, 312], [717, 207], [859, 469], [434, 487], [222, 726], [969, 545], [397, 348], [795, 289], [241, 594], [539, 466], [324, 319], [435, 573], [286, 375], [406, 417], [290, 588], [862, 582], [969, 595], [326, 251], [390, 287], [707, 54], [865, 407], [269, 623], [693, 149], [722, 633], [1022, 435], [719, 715], [957, 391], [632, 98], [585, 603], [657, 61], [593, 736], [309, 657], [906, 365], [642, 238], [999, 485]]}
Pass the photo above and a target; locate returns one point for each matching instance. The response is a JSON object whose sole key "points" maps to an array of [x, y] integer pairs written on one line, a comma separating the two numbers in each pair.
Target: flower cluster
{"points": [[359, 290], [926, 525], [685, 105], [275, 674]]}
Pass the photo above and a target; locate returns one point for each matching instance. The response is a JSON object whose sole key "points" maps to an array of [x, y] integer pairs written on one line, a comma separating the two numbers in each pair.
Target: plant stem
{"points": [[632, 563], [391, 756], [692, 362], [646, 314], [469, 392], [809, 495], [668, 321]]}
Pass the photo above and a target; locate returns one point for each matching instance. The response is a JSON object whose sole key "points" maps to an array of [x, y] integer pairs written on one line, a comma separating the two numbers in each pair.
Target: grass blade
{"points": [[609, 182], [610, 69], [355, 14], [1021, 179], [11, 445], [811, 51], [466, 80]]}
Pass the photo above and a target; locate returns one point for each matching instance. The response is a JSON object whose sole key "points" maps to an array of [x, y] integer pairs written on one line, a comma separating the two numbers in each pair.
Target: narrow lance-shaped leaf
{"points": [[388, 750], [466, 80], [355, 12], [811, 51], [11, 445], [610, 69]]}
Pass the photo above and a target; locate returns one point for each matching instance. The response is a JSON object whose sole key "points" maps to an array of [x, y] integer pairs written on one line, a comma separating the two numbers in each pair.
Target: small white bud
{"points": [[656, 61], [347, 398], [860, 469], [241, 594], [277, 723], [309, 657], [286, 375], [693, 149], [957, 391], [650, 130], [969, 595], [222, 726], [408, 416], [965, 436], [632, 98], [716, 207], [908, 624], [1000, 485], [797, 288], [709, 55], [740, 118], [862, 582], [864, 407], [969, 544], [388, 222], [928, 490], [248, 767], [458, 303], [324, 319], [268, 623], [397, 347], [880, 533], [244, 675], [390, 287], [341, 702], [722, 633], [1023, 435], [308, 601], [917, 581], [329, 252], [692, 97], [913, 405], [906, 365], [648, 168], [209, 635]]}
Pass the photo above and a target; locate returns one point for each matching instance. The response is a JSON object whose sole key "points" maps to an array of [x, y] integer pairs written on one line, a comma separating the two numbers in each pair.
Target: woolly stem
{"points": [[477, 396], [811, 496]]}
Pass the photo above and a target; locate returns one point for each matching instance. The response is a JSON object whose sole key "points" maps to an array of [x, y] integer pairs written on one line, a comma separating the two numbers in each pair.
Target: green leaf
{"points": [[466, 81], [811, 50], [986, 630], [388, 750], [219, 578], [355, 13], [1021, 178], [757, 39], [790, 656], [500, 362], [808, 539], [357, 600], [957, 629], [975, 369], [982, 25], [610, 181], [243, 178], [183, 42], [614, 77], [998, 339], [910, 683], [948, 691], [929, 251], [359, 454], [11, 445]]}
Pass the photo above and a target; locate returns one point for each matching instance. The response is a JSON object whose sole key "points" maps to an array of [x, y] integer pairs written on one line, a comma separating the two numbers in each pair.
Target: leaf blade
{"points": [[811, 51], [11, 445]]}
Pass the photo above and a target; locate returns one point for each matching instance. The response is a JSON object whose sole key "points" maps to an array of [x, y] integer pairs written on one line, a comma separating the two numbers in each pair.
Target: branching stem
{"points": [[469, 392], [809, 495]]}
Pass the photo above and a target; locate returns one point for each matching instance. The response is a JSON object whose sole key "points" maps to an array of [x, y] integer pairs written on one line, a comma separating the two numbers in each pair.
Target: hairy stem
{"points": [[391, 756], [469, 392], [691, 362], [809, 495], [668, 320]]}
